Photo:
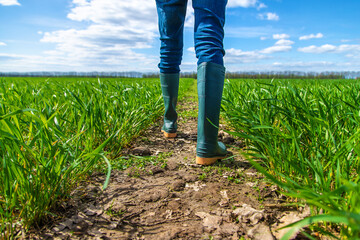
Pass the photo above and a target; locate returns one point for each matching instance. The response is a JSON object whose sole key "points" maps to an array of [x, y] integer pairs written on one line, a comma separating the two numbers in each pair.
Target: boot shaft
{"points": [[210, 87], [170, 87]]}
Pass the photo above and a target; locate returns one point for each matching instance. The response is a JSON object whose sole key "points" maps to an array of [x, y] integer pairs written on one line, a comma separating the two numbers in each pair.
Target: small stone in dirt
{"points": [[260, 232], [228, 140], [115, 206], [251, 184], [222, 134], [229, 228], [210, 222], [92, 211], [163, 193], [248, 214], [155, 170], [190, 178], [113, 225], [239, 144], [178, 185], [141, 151], [169, 234], [174, 205], [59, 228], [195, 186], [171, 165], [287, 219], [68, 223], [78, 218], [95, 233], [225, 199]]}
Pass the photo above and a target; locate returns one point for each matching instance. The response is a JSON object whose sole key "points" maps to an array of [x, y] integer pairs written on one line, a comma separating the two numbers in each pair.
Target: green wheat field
{"points": [[303, 135]]}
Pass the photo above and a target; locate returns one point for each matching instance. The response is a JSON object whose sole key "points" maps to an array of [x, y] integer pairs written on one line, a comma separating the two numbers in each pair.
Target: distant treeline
{"points": [[277, 75], [251, 75]]}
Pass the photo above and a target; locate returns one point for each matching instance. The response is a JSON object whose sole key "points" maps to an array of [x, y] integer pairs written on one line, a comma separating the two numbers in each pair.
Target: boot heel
{"points": [[169, 135], [207, 161]]}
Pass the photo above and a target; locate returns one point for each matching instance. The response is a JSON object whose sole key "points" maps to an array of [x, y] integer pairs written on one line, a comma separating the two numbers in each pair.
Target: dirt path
{"points": [[172, 198]]}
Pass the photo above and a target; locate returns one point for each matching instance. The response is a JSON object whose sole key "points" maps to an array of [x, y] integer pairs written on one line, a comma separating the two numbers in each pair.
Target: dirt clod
{"points": [[141, 151], [178, 185]]}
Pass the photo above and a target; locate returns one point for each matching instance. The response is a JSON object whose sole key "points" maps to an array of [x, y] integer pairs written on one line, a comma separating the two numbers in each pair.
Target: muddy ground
{"points": [[174, 198]]}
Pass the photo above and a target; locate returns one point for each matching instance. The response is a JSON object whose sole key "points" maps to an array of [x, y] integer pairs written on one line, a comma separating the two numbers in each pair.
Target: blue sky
{"points": [[113, 35]]}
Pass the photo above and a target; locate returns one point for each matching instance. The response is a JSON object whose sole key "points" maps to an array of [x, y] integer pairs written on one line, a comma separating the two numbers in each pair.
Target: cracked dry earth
{"points": [[178, 201]]}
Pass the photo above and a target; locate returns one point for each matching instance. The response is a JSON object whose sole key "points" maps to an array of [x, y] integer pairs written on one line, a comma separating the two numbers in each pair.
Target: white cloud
{"points": [[114, 32], [237, 55], [284, 42], [303, 66], [280, 36], [282, 45], [348, 48], [2, 44], [307, 37], [53, 61], [328, 48], [190, 18], [269, 16], [111, 12], [306, 66], [315, 49], [276, 48], [249, 32], [261, 6], [317, 66], [9, 2], [355, 56], [263, 38], [191, 49], [242, 3]]}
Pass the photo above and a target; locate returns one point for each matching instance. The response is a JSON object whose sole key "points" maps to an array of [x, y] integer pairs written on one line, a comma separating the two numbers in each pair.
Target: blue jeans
{"points": [[208, 35]]}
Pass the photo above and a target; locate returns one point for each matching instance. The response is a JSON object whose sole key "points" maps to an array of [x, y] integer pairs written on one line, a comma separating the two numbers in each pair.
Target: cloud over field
{"points": [[307, 37], [237, 55], [282, 45], [234, 56], [114, 31], [328, 48], [122, 35], [280, 36], [9, 2], [269, 16]]}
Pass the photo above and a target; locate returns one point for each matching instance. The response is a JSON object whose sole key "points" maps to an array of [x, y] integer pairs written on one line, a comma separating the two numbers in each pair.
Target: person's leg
{"points": [[171, 17], [209, 34], [209, 30]]}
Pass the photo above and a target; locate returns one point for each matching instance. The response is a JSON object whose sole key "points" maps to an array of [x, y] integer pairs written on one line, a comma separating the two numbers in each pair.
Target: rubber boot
{"points": [[210, 83], [170, 88]]}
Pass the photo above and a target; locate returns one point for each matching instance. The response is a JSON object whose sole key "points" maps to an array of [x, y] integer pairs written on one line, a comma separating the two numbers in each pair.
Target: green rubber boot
{"points": [[210, 84], [170, 88]]}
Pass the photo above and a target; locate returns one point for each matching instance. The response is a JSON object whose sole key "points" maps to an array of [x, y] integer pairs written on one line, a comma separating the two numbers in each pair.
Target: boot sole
{"points": [[169, 135], [208, 161]]}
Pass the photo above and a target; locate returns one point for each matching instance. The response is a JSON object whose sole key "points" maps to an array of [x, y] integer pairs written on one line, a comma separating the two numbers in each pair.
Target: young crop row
{"points": [[53, 131], [306, 134]]}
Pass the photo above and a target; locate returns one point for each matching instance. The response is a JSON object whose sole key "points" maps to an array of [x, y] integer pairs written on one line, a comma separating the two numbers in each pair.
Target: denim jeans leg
{"points": [[209, 30], [171, 17]]}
